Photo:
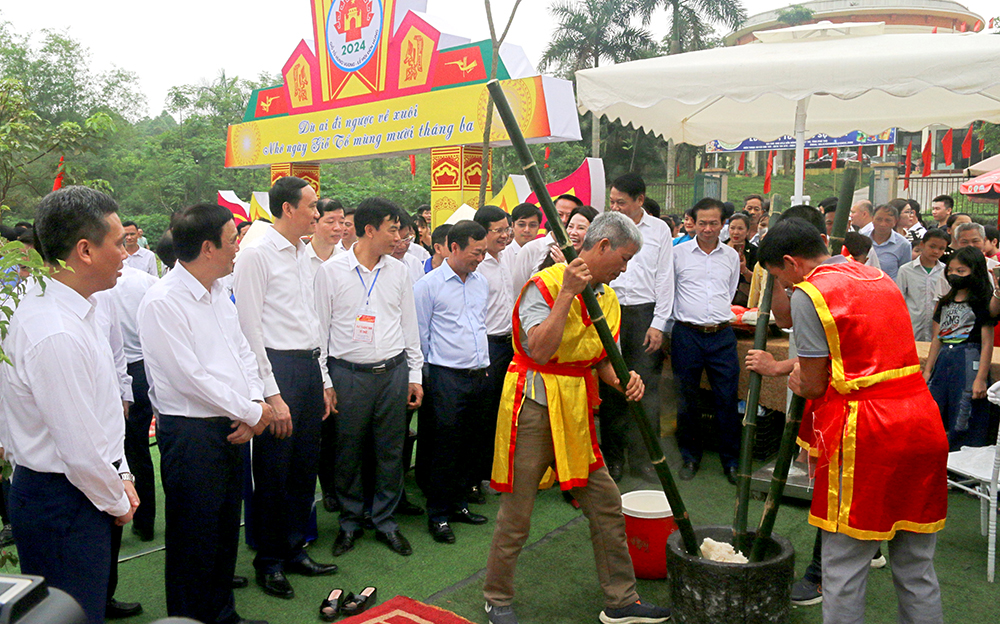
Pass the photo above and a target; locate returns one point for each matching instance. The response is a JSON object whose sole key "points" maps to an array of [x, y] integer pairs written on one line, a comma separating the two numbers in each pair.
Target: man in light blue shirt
{"points": [[891, 247], [451, 317]]}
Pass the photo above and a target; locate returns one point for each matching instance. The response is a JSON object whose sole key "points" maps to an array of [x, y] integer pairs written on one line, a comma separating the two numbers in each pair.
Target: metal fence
{"points": [[924, 190], [673, 198]]}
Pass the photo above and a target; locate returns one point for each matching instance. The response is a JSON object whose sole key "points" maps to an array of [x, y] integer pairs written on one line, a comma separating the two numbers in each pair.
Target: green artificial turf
{"points": [[556, 582]]}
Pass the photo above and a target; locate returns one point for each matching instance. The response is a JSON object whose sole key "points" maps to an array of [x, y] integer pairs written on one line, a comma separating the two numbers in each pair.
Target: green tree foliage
{"points": [[795, 15], [691, 21]]}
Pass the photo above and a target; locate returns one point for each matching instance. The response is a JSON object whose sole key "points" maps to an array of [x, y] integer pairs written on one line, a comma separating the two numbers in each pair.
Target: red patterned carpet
{"points": [[403, 610]]}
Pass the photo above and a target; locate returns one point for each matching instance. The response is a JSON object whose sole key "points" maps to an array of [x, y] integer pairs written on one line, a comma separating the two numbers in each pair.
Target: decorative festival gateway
{"points": [[381, 80]]}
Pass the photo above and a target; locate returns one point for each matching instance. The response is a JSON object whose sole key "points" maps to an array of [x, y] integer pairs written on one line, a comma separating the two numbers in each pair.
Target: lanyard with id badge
{"points": [[364, 319]]}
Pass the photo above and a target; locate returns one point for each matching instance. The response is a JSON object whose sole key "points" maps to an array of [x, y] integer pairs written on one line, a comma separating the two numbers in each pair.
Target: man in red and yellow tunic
{"points": [[546, 421], [875, 430]]}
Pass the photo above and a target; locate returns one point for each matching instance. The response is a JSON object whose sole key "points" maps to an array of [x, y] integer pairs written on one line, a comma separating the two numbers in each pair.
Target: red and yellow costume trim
{"points": [[877, 433], [570, 389]]}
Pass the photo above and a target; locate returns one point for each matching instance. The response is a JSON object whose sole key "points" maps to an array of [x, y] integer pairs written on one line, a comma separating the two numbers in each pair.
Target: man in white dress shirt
{"points": [[401, 252], [371, 352], [126, 296], [61, 419], [646, 293], [329, 231], [862, 213], [706, 273], [349, 236], [272, 283], [206, 387], [532, 253], [138, 257], [499, 328]]}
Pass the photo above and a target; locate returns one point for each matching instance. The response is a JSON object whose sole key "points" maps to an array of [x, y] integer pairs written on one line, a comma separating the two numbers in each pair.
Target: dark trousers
{"points": [[501, 353], [116, 547], [202, 482], [61, 535], [371, 421], [618, 432], [693, 352], [284, 471], [140, 463], [455, 402]]}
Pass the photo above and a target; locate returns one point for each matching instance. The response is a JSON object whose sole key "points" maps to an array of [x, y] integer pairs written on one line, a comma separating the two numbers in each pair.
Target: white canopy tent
{"points": [[834, 81]]}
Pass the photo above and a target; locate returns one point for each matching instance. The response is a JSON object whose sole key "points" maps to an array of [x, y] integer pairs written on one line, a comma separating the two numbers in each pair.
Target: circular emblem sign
{"points": [[353, 30]]}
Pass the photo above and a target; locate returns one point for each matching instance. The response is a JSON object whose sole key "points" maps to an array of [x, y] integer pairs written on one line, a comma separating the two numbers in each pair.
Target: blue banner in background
{"points": [[853, 139]]}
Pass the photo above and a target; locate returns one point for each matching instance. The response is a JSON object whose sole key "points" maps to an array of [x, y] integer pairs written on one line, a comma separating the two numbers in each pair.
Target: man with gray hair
{"points": [[551, 380], [862, 214]]}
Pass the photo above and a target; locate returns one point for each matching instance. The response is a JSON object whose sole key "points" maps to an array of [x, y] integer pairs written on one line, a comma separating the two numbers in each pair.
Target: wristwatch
{"points": [[127, 476]]}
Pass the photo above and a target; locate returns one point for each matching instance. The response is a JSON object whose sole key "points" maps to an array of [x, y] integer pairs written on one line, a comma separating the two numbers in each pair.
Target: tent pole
{"points": [[800, 150]]}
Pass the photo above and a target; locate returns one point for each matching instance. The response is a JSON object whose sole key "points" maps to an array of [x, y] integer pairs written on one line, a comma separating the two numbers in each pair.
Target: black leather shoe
{"points": [[396, 542], [648, 474], [406, 508], [307, 567], [142, 534], [330, 504], [476, 495], [240, 582], [616, 471], [730, 473], [275, 584], [441, 532], [116, 610], [467, 517], [345, 541], [688, 471]]}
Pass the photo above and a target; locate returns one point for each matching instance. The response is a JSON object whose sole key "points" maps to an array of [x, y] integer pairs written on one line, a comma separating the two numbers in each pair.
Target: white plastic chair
{"points": [[978, 470]]}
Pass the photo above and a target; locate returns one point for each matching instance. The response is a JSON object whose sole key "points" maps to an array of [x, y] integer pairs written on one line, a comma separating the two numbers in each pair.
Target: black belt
{"points": [[705, 329], [375, 369], [499, 339], [465, 372], [305, 354]]}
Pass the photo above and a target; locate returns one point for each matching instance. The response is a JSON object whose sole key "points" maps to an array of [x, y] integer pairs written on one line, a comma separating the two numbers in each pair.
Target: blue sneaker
{"points": [[501, 615], [636, 613]]}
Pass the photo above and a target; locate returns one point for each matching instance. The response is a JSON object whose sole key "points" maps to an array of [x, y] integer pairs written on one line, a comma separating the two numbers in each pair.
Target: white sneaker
{"points": [[879, 562]]}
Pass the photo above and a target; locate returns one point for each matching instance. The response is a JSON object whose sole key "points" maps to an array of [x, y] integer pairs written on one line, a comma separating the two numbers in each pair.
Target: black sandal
{"points": [[355, 604], [330, 609]]}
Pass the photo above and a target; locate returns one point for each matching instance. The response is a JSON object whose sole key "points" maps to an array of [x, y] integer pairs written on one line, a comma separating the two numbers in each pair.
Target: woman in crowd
{"points": [[576, 228], [739, 226], [958, 364]]}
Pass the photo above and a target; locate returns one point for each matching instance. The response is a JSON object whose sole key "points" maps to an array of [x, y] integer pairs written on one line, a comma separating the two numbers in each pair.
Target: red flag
{"points": [[909, 165], [963, 26], [833, 161], [743, 162], [59, 176], [978, 26], [820, 153], [805, 155], [678, 173], [767, 174], [927, 156], [934, 30], [548, 152], [947, 146], [982, 145], [413, 165], [861, 152], [967, 143], [891, 147]]}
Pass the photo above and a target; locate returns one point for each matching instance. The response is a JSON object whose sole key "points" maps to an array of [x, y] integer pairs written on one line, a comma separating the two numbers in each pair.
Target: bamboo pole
{"points": [[745, 468], [597, 317], [794, 420], [844, 200], [781, 466]]}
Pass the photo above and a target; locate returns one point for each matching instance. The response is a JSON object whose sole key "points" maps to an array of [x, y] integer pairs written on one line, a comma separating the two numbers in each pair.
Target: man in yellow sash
{"points": [[875, 430], [546, 421]]}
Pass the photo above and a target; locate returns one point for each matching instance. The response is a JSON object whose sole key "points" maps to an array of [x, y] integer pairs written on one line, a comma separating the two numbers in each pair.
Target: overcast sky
{"points": [[184, 41]]}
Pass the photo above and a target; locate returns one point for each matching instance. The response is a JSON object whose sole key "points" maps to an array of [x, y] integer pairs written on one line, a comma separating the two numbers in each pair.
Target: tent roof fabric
{"points": [[907, 81]]}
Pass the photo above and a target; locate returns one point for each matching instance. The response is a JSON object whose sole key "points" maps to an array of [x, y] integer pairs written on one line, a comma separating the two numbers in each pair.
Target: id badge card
{"points": [[364, 326]]}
